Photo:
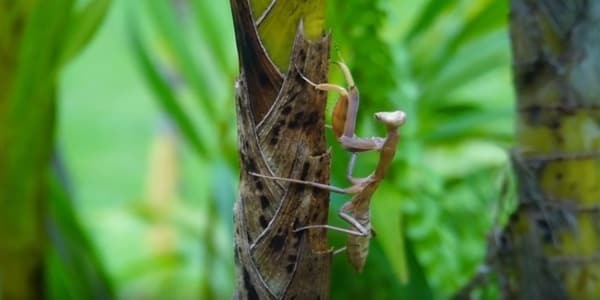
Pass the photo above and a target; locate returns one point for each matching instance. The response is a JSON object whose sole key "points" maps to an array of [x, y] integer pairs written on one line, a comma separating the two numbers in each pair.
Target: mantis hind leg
{"points": [[344, 230], [338, 251], [360, 228]]}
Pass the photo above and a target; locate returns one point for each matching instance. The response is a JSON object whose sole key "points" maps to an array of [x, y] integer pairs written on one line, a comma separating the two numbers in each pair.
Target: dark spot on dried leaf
{"points": [[248, 236], [293, 124], [286, 110], [250, 165], [301, 56], [312, 119], [314, 216], [298, 234], [277, 128], [298, 116], [263, 79], [304, 170], [251, 292], [289, 268], [264, 202], [263, 221], [277, 242]]}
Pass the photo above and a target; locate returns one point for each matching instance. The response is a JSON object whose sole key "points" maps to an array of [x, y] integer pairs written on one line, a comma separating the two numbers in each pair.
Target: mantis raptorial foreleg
{"points": [[345, 113], [350, 169]]}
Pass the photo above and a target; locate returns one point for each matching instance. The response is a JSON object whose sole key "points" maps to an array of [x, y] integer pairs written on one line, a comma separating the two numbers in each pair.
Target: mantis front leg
{"points": [[346, 108]]}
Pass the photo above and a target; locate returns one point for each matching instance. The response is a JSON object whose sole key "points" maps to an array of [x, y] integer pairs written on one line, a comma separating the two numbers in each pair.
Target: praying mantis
{"points": [[356, 211]]}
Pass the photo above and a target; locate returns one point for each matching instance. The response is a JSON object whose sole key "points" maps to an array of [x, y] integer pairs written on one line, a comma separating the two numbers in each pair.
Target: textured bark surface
{"points": [[281, 133], [551, 246]]}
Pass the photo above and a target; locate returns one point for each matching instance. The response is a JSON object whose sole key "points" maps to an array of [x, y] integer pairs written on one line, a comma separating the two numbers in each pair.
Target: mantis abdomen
{"points": [[358, 250]]}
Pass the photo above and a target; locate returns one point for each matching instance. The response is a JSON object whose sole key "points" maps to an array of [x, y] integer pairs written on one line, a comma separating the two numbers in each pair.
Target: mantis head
{"points": [[392, 119]]}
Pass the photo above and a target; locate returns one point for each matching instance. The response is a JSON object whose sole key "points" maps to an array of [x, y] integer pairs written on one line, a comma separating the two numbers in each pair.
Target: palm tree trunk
{"points": [[551, 247], [280, 132]]}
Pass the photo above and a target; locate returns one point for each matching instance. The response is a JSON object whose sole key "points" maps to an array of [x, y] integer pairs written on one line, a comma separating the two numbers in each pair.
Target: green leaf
{"points": [[223, 181], [209, 18], [164, 94], [73, 261], [37, 65], [387, 221], [428, 16], [83, 25], [492, 17], [472, 62], [166, 20], [418, 287], [452, 126]]}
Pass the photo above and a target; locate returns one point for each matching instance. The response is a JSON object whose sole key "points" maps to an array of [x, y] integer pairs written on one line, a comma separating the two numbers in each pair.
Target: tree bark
{"points": [[551, 247], [281, 133]]}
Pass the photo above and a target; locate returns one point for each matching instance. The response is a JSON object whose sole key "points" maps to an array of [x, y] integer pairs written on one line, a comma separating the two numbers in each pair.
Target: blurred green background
{"points": [[146, 132]]}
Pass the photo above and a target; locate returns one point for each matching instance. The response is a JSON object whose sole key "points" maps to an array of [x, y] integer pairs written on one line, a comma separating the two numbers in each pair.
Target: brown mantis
{"points": [[356, 211]]}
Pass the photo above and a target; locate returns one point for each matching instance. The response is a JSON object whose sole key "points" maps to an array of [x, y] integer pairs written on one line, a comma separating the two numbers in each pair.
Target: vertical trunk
{"points": [[280, 132], [551, 246]]}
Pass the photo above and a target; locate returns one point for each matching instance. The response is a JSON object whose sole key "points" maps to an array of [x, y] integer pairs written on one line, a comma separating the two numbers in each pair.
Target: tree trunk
{"points": [[281, 133], [551, 247]]}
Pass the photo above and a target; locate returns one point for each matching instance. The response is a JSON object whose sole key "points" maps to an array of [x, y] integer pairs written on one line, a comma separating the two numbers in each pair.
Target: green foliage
{"points": [[38, 37], [73, 268], [166, 97], [82, 26], [189, 65], [446, 65]]}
